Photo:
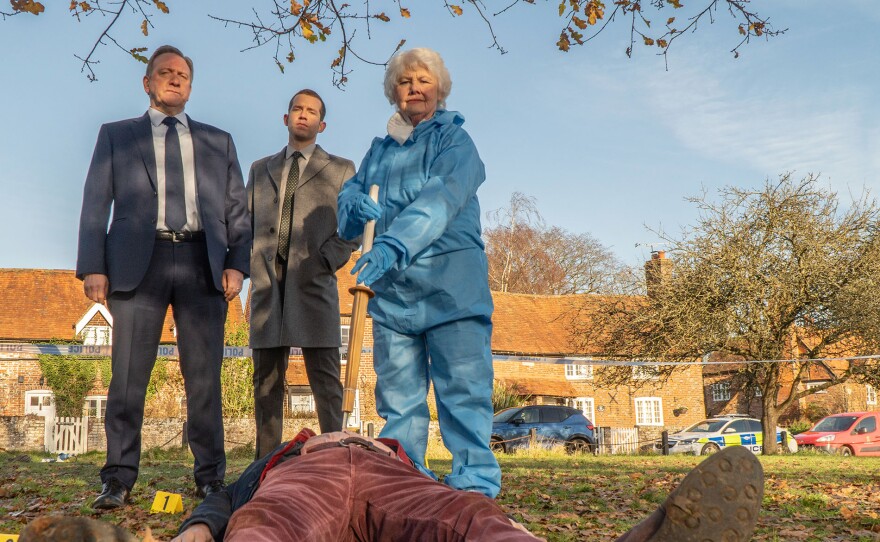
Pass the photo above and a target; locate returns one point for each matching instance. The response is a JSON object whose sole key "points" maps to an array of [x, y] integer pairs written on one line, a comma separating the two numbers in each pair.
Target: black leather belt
{"points": [[180, 236]]}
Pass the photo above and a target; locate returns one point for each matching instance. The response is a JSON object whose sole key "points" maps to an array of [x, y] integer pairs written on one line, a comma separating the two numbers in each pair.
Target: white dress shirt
{"points": [[189, 170]]}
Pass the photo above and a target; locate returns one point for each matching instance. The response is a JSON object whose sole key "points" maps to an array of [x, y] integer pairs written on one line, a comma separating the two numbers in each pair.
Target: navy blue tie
{"points": [[175, 197]]}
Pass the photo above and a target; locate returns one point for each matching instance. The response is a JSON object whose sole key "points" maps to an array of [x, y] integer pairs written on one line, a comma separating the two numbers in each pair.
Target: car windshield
{"points": [[505, 415], [706, 426], [835, 424]]}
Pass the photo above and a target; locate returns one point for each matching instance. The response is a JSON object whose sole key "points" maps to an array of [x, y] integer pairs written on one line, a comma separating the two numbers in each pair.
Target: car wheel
{"points": [[497, 445], [709, 449], [578, 446], [846, 451]]}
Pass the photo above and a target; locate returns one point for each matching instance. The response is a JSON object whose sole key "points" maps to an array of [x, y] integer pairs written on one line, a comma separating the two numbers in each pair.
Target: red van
{"points": [[850, 433]]}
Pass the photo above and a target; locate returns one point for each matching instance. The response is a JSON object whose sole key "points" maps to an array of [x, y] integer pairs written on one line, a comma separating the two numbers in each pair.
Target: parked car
{"points": [[849, 433], [713, 434], [553, 424]]}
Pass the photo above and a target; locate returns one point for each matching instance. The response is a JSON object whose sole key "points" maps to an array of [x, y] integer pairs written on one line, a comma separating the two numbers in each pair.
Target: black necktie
{"points": [[175, 197], [287, 208]]}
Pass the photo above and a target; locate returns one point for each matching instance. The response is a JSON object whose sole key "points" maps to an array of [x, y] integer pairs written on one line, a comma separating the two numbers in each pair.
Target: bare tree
{"points": [[283, 26], [784, 272], [525, 256]]}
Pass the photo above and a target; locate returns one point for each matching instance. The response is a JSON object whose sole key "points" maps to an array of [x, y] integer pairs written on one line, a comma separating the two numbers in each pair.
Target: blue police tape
{"points": [[170, 351], [165, 351]]}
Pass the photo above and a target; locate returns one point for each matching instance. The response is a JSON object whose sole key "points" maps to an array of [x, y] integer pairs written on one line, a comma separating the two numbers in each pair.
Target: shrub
{"points": [[507, 394], [799, 426], [70, 378], [237, 381], [815, 412]]}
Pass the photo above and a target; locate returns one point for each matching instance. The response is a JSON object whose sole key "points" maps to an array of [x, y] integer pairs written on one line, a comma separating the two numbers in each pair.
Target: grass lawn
{"points": [[807, 497]]}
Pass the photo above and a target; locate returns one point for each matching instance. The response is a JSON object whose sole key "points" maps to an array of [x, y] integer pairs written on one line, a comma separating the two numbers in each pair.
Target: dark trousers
{"points": [[270, 365], [179, 275]]}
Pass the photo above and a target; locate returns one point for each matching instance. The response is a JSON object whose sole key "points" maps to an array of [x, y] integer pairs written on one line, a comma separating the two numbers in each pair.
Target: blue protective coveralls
{"points": [[434, 302]]}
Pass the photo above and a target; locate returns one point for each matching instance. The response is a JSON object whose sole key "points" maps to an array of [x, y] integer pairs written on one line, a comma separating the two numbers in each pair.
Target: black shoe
{"points": [[113, 495], [211, 487]]}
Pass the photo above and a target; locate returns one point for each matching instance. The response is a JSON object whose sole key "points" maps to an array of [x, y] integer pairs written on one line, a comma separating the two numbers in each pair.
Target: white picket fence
{"points": [[617, 440], [67, 435]]}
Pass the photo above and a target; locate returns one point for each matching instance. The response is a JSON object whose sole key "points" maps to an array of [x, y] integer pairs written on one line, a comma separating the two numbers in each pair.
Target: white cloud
{"points": [[770, 130]]}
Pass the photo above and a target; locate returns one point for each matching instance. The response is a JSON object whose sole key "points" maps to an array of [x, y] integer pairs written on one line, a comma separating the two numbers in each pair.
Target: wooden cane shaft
{"points": [[362, 295]]}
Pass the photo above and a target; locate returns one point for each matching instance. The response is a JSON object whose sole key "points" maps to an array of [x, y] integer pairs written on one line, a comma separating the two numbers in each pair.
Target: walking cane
{"points": [[362, 295]]}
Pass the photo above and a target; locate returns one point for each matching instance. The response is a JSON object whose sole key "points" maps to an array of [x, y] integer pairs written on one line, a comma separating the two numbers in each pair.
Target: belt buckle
{"points": [[177, 236]]}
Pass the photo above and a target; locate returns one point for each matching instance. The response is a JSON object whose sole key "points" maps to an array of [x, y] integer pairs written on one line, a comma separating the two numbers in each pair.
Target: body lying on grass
{"points": [[344, 486]]}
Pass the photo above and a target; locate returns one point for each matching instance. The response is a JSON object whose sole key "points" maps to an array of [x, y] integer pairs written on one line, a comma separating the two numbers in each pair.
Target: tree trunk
{"points": [[768, 420]]}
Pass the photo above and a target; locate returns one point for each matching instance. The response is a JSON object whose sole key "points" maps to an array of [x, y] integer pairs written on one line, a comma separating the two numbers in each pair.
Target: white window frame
{"points": [[645, 372], [100, 409], [344, 335], [307, 400], [586, 405], [720, 391], [649, 411], [815, 384], [96, 335], [578, 371], [870, 395], [43, 408]]}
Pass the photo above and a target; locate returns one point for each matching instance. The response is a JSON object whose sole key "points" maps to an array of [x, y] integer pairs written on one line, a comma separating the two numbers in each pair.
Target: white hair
{"points": [[418, 58]]}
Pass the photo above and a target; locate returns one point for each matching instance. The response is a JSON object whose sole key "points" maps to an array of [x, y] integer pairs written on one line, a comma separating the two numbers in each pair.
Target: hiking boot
{"points": [[718, 500]]}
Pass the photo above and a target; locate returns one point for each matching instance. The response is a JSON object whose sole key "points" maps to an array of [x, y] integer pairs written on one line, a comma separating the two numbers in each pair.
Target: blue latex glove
{"points": [[365, 209], [375, 263]]}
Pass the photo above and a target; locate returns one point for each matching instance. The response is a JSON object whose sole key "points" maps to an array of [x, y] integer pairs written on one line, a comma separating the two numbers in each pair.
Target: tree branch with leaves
{"points": [[783, 272], [285, 26]]}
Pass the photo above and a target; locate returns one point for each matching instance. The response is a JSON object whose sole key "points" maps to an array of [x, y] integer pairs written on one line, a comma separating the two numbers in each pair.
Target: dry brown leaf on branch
{"points": [[27, 6]]}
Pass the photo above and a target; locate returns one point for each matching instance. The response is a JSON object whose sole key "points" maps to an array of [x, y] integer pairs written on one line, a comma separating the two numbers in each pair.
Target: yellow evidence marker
{"points": [[8, 538], [169, 503]]}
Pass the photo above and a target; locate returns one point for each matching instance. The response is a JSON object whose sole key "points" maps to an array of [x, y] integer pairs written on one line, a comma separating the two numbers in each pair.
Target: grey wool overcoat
{"points": [[310, 313]]}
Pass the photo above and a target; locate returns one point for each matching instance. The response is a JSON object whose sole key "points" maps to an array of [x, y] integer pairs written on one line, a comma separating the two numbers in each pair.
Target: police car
{"points": [[713, 434]]}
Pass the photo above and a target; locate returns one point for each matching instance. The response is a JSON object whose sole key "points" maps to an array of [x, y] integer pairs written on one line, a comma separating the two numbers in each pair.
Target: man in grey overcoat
{"points": [[296, 253]]}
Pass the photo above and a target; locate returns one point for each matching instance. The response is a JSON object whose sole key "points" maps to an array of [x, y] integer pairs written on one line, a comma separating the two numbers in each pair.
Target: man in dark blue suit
{"points": [[180, 236]]}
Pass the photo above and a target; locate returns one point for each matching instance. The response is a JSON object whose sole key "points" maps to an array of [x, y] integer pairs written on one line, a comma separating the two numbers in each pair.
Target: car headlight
{"points": [[826, 438], [688, 441]]}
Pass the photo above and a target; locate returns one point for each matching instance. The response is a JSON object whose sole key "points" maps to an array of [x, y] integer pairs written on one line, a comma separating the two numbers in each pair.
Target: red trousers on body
{"points": [[352, 494]]}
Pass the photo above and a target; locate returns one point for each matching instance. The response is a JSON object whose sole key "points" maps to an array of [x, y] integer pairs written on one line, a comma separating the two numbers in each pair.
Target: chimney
{"points": [[658, 270]]}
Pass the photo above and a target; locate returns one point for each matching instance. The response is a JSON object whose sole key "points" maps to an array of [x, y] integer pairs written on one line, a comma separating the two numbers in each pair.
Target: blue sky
{"points": [[606, 145]]}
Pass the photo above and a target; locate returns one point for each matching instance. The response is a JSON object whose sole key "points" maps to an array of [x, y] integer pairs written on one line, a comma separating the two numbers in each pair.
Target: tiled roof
{"points": [[816, 371], [522, 323], [533, 324], [544, 325], [44, 304]]}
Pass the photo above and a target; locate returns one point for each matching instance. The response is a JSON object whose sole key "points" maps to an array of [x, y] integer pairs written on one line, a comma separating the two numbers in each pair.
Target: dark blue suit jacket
{"points": [[123, 175]]}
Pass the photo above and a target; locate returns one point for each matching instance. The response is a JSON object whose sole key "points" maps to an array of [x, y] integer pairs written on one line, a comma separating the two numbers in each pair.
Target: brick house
{"points": [[531, 344], [48, 306], [727, 392], [539, 327]]}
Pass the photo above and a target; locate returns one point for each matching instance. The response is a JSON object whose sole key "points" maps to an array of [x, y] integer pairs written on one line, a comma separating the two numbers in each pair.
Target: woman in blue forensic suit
{"points": [[432, 310]]}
